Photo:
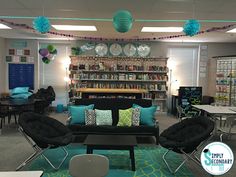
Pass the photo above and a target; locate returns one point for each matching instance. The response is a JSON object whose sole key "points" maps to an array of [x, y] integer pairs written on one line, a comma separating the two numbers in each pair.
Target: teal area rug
{"points": [[148, 161]]}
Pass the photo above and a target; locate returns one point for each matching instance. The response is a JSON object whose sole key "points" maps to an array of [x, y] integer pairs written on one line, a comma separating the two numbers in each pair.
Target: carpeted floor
{"points": [[148, 162], [14, 149]]}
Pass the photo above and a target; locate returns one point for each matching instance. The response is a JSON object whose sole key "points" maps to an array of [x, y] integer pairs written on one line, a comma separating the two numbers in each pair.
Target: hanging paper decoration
{"points": [[46, 60], [87, 46], [90, 38], [122, 21], [41, 24], [83, 48], [48, 54], [191, 27]]}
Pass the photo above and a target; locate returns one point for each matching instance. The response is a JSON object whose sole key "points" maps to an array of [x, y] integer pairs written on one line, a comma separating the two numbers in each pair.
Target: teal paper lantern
{"points": [[122, 21]]}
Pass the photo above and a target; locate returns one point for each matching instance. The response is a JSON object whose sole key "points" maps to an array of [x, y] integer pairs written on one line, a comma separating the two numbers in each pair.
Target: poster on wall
{"points": [[189, 96]]}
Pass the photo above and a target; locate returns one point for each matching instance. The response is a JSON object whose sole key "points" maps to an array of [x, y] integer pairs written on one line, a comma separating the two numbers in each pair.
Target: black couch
{"points": [[115, 104]]}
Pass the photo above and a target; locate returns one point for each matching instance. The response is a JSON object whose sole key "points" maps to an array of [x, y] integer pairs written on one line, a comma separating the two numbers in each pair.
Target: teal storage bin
{"points": [[60, 108]]}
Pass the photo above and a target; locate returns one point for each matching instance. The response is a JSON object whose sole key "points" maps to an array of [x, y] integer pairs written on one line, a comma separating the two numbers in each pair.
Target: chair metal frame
{"points": [[231, 121], [192, 156], [39, 151]]}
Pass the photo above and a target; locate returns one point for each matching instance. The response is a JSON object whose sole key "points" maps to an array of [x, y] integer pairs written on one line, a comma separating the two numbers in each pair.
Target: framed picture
{"points": [[8, 58], [26, 52], [19, 52], [11, 51], [23, 59]]}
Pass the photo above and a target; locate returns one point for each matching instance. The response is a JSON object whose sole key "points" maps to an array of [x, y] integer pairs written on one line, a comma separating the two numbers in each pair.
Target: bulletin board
{"points": [[189, 96], [21, 75]]}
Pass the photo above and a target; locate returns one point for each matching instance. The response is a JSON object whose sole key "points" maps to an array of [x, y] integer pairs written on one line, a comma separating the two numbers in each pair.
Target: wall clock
{"points": [[143, 50], [115, 49], [129, 50], [101, 49]]}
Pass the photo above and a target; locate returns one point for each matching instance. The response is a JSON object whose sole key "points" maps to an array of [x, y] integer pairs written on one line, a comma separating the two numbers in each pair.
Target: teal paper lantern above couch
{"points": [[122, 21]]}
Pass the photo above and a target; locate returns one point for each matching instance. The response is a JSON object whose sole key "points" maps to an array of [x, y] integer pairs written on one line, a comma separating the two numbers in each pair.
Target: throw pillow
{"points": [[147, 115], [125, 117], [103, 117], [90, 117], [78, 113], [136, 116], [19, 90]]}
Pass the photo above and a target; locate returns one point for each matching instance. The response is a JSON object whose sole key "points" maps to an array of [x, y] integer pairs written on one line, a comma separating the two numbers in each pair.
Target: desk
{"points": [[17, 102], [216, 110], [21, 174]]}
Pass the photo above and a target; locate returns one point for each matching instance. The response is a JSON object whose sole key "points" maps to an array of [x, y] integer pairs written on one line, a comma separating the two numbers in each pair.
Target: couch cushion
{"points": [[107, 129], [78, 113], [90, 117], [136, 116], [103, 117], [125, 116], [114, 104], [147, 115]]}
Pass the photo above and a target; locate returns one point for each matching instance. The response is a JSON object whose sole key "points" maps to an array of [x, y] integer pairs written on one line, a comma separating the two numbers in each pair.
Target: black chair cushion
{"points": [[45, 131], [187, 134], [113, 104]]}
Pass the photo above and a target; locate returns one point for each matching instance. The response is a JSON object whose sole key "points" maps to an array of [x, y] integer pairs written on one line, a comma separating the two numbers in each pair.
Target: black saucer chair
{"points": [[43, 133], [186, 137]]}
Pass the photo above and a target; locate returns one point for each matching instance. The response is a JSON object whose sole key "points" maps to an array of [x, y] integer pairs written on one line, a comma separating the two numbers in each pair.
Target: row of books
{"points": [[120, 76], [114, 67], [153, 87]]}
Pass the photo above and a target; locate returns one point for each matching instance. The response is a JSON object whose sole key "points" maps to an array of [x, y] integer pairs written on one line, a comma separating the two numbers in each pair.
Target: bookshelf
{"points": [[131, 77]]}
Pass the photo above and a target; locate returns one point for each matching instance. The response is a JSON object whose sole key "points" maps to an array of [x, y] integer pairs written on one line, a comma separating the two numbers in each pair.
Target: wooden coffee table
{"points": [[112, 142]]}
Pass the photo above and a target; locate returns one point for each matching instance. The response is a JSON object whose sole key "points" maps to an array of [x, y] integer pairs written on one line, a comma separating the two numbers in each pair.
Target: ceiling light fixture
{"points": [[231, 31], [74, 28], [162, 29], [2, 26]]}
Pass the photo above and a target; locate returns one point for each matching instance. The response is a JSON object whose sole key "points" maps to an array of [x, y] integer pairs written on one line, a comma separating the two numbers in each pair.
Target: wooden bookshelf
{"points": [[132, 77]]}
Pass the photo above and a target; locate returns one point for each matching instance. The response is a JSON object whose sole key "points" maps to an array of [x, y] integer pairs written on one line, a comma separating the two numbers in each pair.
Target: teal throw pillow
{"points": [[103, 117], [19, 90], [147, 115], [21, 96], [78, 113]]}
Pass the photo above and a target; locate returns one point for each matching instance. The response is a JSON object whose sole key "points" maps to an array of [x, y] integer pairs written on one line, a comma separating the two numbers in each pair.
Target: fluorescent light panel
{"points": [[74, 28], [2, 26], [162, 29], [231, 31]]}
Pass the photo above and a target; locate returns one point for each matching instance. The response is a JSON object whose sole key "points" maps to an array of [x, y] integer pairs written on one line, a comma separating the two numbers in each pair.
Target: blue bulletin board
{"points": [[21, 75]]}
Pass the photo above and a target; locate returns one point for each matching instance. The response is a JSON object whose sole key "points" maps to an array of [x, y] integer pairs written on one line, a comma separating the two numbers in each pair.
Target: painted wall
{"points": [[159, 49], [2, 66]]}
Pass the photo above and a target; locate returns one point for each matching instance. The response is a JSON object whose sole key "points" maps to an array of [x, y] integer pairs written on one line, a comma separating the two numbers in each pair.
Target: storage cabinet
{"points": [[121, 75], [226, 81]]}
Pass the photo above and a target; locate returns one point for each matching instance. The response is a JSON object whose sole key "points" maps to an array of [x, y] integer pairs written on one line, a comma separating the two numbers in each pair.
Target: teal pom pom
{"points": [[41, 24], [191, 27]]}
